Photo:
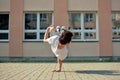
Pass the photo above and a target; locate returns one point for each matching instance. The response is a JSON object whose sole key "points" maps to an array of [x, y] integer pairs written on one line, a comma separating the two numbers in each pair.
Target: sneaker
{"points": [[58, 29]]}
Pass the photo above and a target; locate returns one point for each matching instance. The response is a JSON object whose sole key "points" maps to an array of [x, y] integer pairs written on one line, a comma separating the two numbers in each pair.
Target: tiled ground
{"points": [[70, 71]]}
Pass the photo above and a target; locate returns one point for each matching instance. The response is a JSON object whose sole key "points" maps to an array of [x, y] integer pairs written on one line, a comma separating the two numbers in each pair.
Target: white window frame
{"points": [[37, 30], [115, 30], [5, 31], [82, 30]]}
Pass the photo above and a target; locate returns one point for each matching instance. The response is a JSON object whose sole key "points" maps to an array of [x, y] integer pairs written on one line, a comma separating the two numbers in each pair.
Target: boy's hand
{"points": [[51, 28]]}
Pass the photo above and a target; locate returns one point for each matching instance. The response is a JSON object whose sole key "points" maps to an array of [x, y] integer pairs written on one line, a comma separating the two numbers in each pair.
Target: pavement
{"points": [[70, 71]]}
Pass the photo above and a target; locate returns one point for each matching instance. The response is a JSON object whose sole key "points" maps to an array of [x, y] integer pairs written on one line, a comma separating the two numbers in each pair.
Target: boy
{"points": [[58, 44]]}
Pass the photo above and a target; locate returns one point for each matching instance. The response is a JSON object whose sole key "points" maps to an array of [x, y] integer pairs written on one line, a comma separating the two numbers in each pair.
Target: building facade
{"points": [[94, 23]]}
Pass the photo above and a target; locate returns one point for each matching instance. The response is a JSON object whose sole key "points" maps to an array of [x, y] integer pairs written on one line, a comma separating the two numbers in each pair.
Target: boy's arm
{"points": [[49, 29], [46, 35]]}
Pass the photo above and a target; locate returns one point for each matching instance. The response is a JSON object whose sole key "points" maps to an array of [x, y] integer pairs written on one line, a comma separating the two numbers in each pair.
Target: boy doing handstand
{"points": [[58, 44]]}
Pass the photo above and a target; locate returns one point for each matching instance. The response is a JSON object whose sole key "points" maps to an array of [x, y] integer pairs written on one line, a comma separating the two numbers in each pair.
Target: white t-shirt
{"points": [[59, 53]]}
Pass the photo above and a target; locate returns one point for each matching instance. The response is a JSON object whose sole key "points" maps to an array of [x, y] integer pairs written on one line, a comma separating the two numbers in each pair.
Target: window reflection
{"points": [[75, 21], [45, 20], [42, 35], [3, 36], [90, 35], [76, 35], [116, 20], [116, 35], [89, 21], [4, 21], [116, 25], [30, 21], [30, 35]]}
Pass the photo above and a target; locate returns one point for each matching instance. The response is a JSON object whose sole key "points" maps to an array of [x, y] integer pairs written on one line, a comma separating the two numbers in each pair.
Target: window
{"points": [[83, 25], [4, 27], [35, 25], [116, 26]]}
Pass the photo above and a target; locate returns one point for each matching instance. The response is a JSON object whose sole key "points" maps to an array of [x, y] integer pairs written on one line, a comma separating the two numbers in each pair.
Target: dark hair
{"points": [[65, 37]]}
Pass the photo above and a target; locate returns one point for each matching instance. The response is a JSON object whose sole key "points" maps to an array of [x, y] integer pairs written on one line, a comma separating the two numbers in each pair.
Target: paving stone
{"points": [[70, 71]]}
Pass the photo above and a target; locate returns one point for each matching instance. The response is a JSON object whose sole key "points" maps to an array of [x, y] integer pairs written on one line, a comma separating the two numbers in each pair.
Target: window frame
{"points": [[37, 30], [82, 30], [5, 31]]}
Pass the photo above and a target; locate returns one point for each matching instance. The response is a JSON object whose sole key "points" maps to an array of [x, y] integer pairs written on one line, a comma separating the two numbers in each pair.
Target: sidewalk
{"points": [[70, 71]]}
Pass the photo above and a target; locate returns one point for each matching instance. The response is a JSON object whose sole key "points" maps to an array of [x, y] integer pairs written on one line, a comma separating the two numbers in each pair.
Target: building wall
{"points": [[5, 5], [38, 5], [75, 49], [83, 49], [83, 5], [16, 47], [60, 12], [115, 6], [116, 48], [4, 46], [105, 28], [16, 29], [36, 49], [4, 49]]}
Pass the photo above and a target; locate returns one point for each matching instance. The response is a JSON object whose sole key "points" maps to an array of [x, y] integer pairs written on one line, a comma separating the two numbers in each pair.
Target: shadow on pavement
{"points": [[101, 72]]}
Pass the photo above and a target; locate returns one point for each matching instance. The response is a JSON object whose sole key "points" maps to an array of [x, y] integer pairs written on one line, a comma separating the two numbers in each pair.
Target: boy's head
{"points": [[65, 37]]}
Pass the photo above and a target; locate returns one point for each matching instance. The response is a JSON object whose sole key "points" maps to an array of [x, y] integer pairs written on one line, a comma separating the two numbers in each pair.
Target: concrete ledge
{"points": [[27, 59], [53, 59]]}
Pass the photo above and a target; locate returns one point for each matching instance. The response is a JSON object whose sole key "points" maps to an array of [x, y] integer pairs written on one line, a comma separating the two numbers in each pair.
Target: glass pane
{"points": [[89, 35], [3, 36], [45, 20], [116, 35], [42, 35], [30, 21], [4, 21], [76, 35], [90, 21], [31, 35], [116, 20], [74, 21]]}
